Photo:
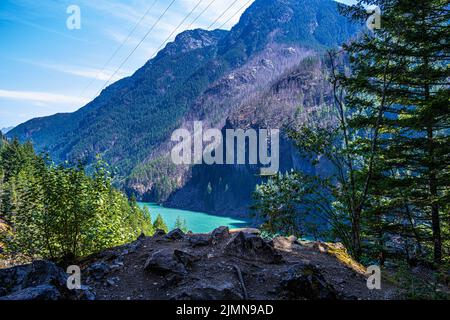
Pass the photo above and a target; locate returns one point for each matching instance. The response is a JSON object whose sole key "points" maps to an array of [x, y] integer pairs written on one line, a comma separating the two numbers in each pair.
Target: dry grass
{"points": [[340, 252]]}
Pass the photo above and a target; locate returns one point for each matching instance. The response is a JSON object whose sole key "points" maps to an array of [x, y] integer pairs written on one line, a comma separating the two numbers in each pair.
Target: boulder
{"points": [[282, 243], [164, 262], [199, 240], [40, 280], [31, 275], [85, 293], [246, 230], [304, 281], [41, 292], [141, 237], [252, 247], [113, 281], [185, 258], [176, 234], [159, 233], [98, 271], [220, 233], [208, 292]]}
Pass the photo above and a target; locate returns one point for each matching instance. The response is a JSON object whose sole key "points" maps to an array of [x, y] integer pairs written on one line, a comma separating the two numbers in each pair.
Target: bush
{"points": [[59, 212]]}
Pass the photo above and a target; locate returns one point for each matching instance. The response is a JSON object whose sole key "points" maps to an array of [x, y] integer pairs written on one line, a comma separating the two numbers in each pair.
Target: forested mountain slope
{"points": [[219, 77]]}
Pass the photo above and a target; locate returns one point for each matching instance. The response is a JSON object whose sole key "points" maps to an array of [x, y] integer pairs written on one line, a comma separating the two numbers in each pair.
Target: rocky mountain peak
{"points": [[312, 23], [192, 40]]}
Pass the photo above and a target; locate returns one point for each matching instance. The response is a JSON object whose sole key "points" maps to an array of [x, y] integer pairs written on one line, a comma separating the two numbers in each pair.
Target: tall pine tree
{"points": [[398, 98]]}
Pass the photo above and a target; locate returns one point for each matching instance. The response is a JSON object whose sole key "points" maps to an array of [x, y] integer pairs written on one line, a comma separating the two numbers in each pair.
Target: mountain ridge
{"points": [[130, 122]]}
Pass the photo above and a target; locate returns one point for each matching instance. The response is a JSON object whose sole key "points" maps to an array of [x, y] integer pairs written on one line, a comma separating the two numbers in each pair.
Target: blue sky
{"points": [[46, 68]]}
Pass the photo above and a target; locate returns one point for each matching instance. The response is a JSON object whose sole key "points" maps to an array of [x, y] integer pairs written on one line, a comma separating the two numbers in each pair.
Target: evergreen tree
{"points": [[398, 96], [60, 213], [159, 224], [390, 148], [181, 224]]}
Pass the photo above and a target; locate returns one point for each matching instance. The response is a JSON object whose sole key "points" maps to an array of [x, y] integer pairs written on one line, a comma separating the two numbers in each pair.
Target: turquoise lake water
{"points": [[197, 222]]}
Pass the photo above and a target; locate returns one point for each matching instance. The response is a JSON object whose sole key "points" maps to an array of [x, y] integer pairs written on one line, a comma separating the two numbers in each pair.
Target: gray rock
{"points": [[176, 234], [42, 292], [185, 258], [31, 275], [159, 233], [284, 244], [113, 281], [98, 271], [208, 292], [85, 293], [40, 280], [252, 247], [198, 240], [163, 262], [306, 282], [220, 233]]}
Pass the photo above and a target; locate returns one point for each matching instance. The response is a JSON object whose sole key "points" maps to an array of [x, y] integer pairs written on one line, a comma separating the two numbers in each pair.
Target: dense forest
{"points": [[58, 212], [388, 199]]}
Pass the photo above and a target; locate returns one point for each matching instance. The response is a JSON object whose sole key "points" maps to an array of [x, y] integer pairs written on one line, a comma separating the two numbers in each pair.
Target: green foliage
{"points": [[159, 224], [398, 97], [181, 224], [161, 173], [59, 212], [390, 146], [416, 286]]}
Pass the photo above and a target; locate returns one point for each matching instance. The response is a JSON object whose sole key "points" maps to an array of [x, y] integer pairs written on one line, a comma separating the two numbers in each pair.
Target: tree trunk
{"points": [[435, 219], [356, 233]]}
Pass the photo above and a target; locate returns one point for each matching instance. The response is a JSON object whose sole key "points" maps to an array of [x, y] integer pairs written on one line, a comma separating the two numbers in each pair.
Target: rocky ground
{"points": [[222, 265]]}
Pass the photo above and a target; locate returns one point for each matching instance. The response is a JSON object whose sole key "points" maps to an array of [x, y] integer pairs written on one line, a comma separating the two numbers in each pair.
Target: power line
{"points": [[201, 13], [222, 14], [234, 15], [138, 45], [179, 25], [119, 47]]}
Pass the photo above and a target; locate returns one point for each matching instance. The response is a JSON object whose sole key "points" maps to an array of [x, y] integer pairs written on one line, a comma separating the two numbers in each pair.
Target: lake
{"points": [[197, 222]]}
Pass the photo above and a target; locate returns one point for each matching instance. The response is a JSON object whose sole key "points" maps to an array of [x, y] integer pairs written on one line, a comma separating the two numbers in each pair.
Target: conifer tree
{"points": [[181, 224], [398, 98], [159, 224]]}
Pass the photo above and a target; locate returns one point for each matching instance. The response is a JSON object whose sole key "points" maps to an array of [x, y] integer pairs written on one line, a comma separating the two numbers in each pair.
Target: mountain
{"points": [[264, 72], [6, 130]]}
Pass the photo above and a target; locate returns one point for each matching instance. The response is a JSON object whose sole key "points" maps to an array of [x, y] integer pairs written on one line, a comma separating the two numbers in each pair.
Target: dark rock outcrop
{"points": [[220, 233], [185, 258], [306, 282], [207, 291], [231, 265], [176, 234], [41, 280], [42, 292], [164, 262], [199, 240], [252, 247], [98, 270]]}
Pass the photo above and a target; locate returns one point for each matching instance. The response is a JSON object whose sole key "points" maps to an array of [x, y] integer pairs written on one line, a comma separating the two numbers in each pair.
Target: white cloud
{"points": [[84, 72], [43, 97]]}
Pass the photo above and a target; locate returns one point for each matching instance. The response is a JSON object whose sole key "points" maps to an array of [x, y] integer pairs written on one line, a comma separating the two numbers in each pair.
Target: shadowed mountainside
{"points": [[260, 74]]}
